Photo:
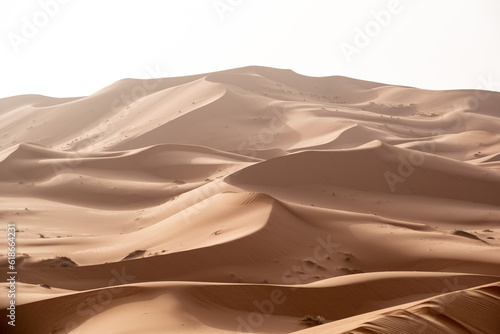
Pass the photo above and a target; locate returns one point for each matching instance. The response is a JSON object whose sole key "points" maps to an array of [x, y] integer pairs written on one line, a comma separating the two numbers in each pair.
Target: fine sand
{"points": [[245, 200]]}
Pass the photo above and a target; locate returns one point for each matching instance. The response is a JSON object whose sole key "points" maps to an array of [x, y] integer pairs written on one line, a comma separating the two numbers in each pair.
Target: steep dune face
{"points": [[467, 311], [197, 306], [378, 168], [244, 200]]}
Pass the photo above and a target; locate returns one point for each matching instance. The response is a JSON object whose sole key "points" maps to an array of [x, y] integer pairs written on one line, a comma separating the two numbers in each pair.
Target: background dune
{"points": [[244, 200]]}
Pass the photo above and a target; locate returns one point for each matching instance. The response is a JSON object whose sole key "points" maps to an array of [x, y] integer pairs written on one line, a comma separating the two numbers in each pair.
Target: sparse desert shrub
{"points": [[347, 256], [59, 261], [134, 254], [313, 320], [350, 271], [64, 261]]}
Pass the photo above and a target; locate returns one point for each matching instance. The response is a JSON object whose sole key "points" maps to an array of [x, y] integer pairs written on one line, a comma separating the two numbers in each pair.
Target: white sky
{"points": [[81, 46]]}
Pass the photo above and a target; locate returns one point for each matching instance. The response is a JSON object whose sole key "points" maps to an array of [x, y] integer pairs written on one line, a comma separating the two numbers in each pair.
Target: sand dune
{"points": [[467, 311], [196, 305], [244, 200]]}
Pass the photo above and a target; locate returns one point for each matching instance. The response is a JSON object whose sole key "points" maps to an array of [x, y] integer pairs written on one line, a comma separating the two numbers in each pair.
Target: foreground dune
{"points": [[244, 200]]}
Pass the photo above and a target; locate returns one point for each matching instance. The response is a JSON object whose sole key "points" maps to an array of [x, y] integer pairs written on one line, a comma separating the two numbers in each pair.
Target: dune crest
{"points": [[248, 200]]}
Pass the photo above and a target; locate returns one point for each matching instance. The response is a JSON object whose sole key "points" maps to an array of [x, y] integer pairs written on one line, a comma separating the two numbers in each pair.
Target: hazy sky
{"points": [[76, 47]]}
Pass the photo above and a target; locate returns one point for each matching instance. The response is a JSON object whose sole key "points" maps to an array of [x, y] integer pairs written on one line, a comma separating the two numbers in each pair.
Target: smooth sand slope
{"points": [[245, 200]]}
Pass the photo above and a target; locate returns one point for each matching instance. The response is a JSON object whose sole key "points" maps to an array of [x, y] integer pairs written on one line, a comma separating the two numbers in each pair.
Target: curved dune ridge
{"points": [[253, 200]]}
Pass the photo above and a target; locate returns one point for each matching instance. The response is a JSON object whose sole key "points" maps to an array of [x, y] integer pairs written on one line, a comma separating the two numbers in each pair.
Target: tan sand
{"points": [[245, 200]]}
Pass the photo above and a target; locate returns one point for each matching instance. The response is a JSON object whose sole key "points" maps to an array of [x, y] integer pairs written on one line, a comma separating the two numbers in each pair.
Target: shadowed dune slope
{"points": [[244, 200]]}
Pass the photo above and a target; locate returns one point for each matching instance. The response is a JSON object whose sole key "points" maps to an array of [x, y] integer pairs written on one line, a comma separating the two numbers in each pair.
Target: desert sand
{"points": [[245, 200]]}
